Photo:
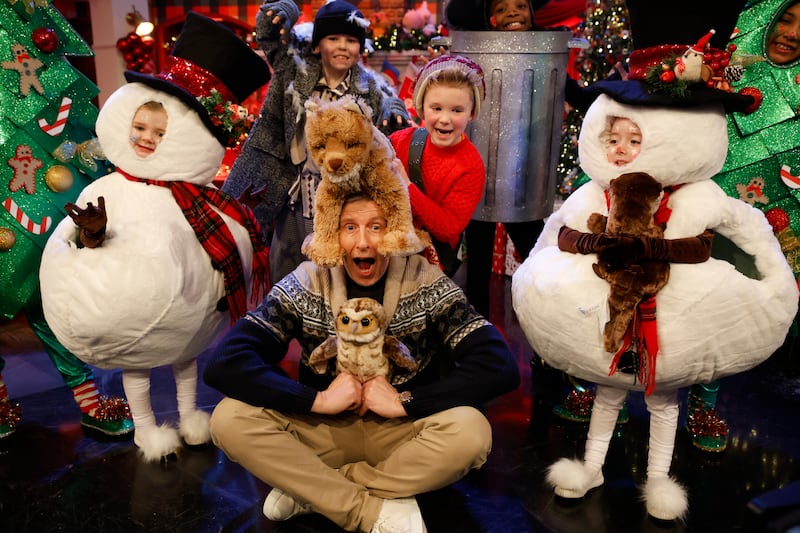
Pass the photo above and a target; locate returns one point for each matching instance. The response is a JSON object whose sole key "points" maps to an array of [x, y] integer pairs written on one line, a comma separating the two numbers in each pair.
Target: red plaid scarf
{"points": [[196, 202], [642, 328]]}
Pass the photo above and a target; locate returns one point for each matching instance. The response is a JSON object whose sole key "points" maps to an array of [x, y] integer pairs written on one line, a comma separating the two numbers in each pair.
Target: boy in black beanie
{"points": [[274, 161]]}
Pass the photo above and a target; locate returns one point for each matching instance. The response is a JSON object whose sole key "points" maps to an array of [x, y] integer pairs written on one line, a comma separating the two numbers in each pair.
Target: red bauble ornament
{"points": [[757, 98], [667, 76], [45, 39], [778, 219]]}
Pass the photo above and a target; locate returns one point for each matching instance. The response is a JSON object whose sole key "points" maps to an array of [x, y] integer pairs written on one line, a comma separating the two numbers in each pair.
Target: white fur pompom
{"points": [[665, 498], [156, 442], [194, 428], [571, 478]]}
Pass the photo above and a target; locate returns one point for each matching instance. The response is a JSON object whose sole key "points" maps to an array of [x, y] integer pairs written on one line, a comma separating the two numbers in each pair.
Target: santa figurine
{"points": [[154, 262], [709, 320], [690, 66]]}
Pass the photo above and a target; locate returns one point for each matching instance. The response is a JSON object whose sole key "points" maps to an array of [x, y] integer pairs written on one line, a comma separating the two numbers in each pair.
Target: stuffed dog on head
{"points": [[353, 155], [633, 199]]}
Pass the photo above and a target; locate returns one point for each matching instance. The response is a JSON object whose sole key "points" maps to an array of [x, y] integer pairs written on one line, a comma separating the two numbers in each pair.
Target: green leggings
{"points": [[73, 371]]}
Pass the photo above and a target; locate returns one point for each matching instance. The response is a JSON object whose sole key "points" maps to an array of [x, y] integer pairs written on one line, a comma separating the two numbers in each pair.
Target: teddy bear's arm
{"points": [[597, 223]]}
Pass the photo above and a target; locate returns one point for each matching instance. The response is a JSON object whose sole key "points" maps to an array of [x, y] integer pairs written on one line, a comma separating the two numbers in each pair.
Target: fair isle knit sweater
{"points": [[453, 177], [463, 359]]}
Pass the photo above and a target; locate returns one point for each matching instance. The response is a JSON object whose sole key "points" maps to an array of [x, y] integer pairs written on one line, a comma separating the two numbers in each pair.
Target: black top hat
{"points": [[662, 33], [207, 56]]}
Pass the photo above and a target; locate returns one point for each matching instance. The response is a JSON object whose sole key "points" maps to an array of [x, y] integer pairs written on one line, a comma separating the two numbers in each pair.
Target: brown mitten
{"points": [[626, 251], [685, 250], [578, 242], [91, 221]]}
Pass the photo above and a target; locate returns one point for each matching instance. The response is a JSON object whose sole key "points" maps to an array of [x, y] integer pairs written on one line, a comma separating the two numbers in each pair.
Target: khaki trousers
{"points": [[345, 465]]}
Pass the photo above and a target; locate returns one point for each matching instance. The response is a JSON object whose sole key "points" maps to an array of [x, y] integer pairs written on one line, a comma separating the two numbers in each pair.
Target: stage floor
{"points": [[53, 478]]}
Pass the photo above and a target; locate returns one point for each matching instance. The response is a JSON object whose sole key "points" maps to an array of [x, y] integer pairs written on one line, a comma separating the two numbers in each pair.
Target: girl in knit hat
{"points": [[274, 161], [447, 183]]}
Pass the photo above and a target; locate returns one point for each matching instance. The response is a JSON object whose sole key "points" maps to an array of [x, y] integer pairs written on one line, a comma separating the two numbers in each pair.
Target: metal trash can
{"points": [[518, 131]]}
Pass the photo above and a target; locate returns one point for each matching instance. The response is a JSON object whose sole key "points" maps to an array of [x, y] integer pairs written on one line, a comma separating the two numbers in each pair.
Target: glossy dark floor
{"points": [[53, 478]]}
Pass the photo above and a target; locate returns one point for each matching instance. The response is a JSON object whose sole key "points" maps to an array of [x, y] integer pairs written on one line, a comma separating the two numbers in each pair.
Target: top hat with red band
{"points": [[208, 56], [661, 34]]}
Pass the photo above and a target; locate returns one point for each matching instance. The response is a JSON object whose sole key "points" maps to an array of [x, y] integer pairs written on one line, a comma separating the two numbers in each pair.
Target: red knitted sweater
{"points": [[454, 178]]}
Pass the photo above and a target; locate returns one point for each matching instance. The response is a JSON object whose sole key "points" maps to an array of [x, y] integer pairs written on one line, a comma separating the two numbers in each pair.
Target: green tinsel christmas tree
{"points": [[606, 28], [46, 139]]}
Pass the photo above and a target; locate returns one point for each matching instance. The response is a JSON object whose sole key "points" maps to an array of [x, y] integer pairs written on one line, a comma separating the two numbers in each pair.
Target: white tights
{"points": [[136, 383], [663, 408]]}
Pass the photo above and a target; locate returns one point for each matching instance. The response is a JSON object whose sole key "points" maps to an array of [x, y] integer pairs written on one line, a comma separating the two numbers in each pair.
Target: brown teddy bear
{"points": [[354, 155], [633, 199], [360, 346]]}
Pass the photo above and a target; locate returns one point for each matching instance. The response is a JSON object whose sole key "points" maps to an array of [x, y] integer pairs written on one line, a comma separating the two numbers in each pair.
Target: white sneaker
{"points": [[401, 515], [280, 506]]}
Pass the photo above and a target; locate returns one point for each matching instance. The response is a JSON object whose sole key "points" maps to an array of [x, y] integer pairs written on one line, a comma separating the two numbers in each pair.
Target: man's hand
{"points": [[382, 399], [343, 394]]}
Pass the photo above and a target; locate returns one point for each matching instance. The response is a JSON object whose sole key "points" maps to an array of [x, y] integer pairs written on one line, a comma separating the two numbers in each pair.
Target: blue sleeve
{"points": [[244, 364]]}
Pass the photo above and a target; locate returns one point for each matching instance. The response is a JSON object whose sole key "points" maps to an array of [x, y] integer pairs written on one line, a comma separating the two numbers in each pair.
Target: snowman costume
{"points": [[150, 295], [712, 321]]}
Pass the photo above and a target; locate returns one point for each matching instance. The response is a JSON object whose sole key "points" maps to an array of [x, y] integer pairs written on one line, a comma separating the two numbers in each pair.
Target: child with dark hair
{"points": [[783, 44], [460, 14], [274, 168], [501, 15]]}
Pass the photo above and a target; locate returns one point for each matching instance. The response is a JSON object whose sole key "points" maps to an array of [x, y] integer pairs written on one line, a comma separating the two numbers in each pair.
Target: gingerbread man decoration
{"points": [[25, 167], [26, 66], [753, 192]]}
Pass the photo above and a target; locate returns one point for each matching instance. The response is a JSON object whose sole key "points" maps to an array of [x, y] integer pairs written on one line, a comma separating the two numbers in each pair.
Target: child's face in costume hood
{"points": [[679, 145], [148, 128]]}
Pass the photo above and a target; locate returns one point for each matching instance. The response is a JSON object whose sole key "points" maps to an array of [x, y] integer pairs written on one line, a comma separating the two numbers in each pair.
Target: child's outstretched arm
{"points": [[274, 23]]}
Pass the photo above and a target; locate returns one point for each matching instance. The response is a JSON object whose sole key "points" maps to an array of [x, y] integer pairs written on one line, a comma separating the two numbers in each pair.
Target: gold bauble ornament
{"points": [[7, 239], [59, 178]]}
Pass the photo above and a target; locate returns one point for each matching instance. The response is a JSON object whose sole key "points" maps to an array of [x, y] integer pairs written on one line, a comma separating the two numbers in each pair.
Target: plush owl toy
{"points": [[158, 260], [709, 319], [361, 346]]}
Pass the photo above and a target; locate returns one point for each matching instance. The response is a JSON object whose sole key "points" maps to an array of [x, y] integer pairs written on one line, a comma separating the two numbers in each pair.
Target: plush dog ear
{"points": [[357, 105]]}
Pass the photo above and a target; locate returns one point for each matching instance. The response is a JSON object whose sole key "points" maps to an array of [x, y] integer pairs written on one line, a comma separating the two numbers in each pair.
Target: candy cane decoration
{"points": [[61, 119], [793, 182], [37, 229]]}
